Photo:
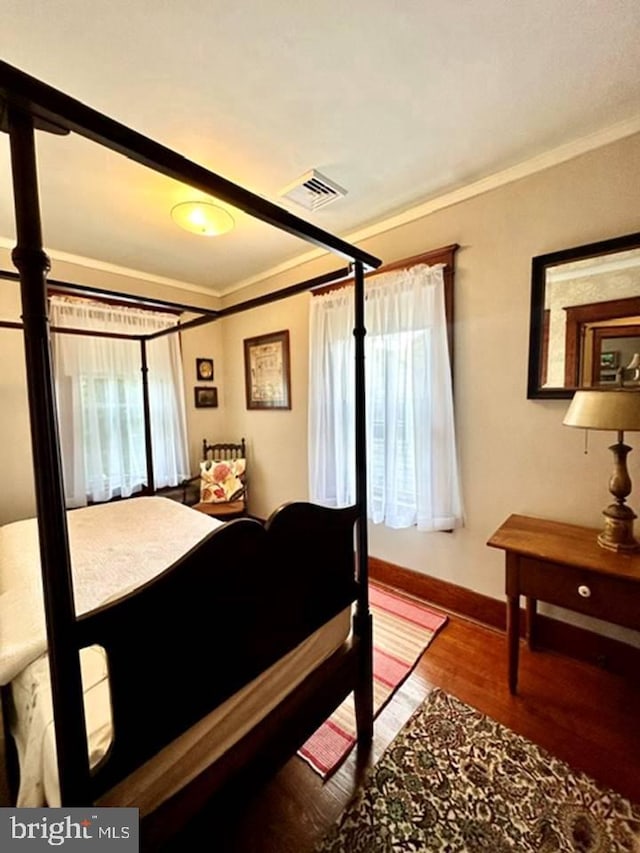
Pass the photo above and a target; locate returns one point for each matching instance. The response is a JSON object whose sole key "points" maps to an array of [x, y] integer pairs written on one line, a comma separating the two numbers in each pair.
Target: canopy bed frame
{"points": [[306, 551]]}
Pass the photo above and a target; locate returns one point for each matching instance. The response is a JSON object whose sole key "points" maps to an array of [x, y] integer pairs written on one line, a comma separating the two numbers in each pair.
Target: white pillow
{"points": [[222, 480]]}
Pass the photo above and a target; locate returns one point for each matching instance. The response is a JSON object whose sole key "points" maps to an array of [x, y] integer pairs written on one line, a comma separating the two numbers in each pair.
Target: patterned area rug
{"points": [[402, 630], [455, 781]]}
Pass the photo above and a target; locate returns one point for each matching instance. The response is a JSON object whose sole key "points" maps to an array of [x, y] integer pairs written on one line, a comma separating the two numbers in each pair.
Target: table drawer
{"points": [[610, 598]]}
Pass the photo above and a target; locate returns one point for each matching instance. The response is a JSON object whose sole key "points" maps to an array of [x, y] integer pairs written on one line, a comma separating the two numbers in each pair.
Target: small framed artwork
{"points": [[610, 360], [206, 398], [204, 369], [267, 371]]}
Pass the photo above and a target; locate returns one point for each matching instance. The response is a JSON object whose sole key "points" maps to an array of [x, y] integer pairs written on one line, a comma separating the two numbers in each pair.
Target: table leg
{"points": [[531, 622], [513, 639]]}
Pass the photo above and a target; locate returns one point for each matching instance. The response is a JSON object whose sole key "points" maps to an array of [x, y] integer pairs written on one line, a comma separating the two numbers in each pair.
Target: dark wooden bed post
{"points": [[33, 264], [148, 443], [363, 623]]}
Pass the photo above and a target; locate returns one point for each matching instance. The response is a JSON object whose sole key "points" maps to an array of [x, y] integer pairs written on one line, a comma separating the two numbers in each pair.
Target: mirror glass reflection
{"points": [[585, 317]]}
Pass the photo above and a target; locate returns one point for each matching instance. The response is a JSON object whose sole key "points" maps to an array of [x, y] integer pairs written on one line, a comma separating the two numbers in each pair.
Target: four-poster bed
{"points": [[282, 583]]}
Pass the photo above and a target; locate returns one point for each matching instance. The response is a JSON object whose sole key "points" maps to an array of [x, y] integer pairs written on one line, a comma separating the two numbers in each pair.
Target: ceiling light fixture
{"points": [[201, 217]]}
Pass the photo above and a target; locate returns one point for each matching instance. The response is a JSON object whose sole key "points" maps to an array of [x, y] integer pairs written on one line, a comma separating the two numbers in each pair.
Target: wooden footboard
{"points": [[230, 608], [263, 750]]}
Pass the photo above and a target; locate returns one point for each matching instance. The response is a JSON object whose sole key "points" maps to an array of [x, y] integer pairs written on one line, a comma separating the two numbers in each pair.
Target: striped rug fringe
{"points": [[402, 630]]}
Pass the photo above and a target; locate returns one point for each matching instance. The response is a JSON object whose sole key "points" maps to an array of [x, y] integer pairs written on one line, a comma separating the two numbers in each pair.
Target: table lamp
{"points": [[616, 409]]}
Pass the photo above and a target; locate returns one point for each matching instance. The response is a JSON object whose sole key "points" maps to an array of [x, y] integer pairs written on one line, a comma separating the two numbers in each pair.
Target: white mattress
{"points": [[115, 548]]}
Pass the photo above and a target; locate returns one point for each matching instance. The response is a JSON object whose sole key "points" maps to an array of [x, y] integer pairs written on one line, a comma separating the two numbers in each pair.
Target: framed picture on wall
{"points": [[267, 371], [204, 369], [206, 398]]}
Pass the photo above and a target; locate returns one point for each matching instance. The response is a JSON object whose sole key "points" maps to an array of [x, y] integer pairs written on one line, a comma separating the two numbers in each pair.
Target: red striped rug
{"points": [[402, 630]]}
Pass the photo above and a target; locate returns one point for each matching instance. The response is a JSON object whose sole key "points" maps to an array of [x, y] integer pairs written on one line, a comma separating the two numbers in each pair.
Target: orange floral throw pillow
{"points": [[222, 481]]}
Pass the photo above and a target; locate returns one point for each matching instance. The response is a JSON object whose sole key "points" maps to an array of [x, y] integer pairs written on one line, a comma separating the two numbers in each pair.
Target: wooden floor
{"points": [[584, 715]]}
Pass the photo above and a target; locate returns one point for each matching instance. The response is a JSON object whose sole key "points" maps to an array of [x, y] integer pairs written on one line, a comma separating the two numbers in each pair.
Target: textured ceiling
{"points": [[398, 102]]}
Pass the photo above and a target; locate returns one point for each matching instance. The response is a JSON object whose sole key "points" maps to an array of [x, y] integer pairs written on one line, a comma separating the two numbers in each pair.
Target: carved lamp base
{"points": [[618, 517], [617, 534]]}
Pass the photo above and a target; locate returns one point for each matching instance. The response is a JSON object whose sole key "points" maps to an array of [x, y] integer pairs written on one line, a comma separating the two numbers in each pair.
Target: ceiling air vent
{"points": [[313, 190]]}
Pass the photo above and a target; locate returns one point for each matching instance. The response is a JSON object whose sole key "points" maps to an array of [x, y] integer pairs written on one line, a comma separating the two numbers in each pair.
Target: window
{"points": [[100, 404], [412, 473]]}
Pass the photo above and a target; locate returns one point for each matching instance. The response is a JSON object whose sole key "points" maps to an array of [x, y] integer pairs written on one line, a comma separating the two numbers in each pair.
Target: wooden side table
{"points": [[563, 564]]}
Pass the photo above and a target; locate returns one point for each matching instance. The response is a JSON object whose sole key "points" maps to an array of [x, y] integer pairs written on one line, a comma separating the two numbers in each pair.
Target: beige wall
{"points": [[16, 498], [277, 439], [515, 455]]}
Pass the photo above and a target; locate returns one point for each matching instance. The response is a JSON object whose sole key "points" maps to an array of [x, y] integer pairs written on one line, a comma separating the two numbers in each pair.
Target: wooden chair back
{"points": [[224, 451]]}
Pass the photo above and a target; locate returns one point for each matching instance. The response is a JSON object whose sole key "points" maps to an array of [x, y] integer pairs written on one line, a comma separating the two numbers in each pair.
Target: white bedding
{"points": [[115, 548]]}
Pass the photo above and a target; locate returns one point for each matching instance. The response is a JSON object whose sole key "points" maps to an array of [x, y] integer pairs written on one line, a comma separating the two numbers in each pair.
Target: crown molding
{"points": [[553, 157], [105, 266]]}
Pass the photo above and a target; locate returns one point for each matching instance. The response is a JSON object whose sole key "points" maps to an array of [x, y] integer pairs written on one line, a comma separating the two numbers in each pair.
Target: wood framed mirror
{"points": [[585, 316]]}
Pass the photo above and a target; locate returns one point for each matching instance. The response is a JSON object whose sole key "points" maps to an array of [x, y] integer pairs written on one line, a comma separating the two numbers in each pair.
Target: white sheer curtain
{"points": [[411, 450], [99, 394]]}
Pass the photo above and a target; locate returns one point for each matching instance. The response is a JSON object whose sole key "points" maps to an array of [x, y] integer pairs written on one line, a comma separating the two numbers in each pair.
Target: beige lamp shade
{"points": [[611, 408]]}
